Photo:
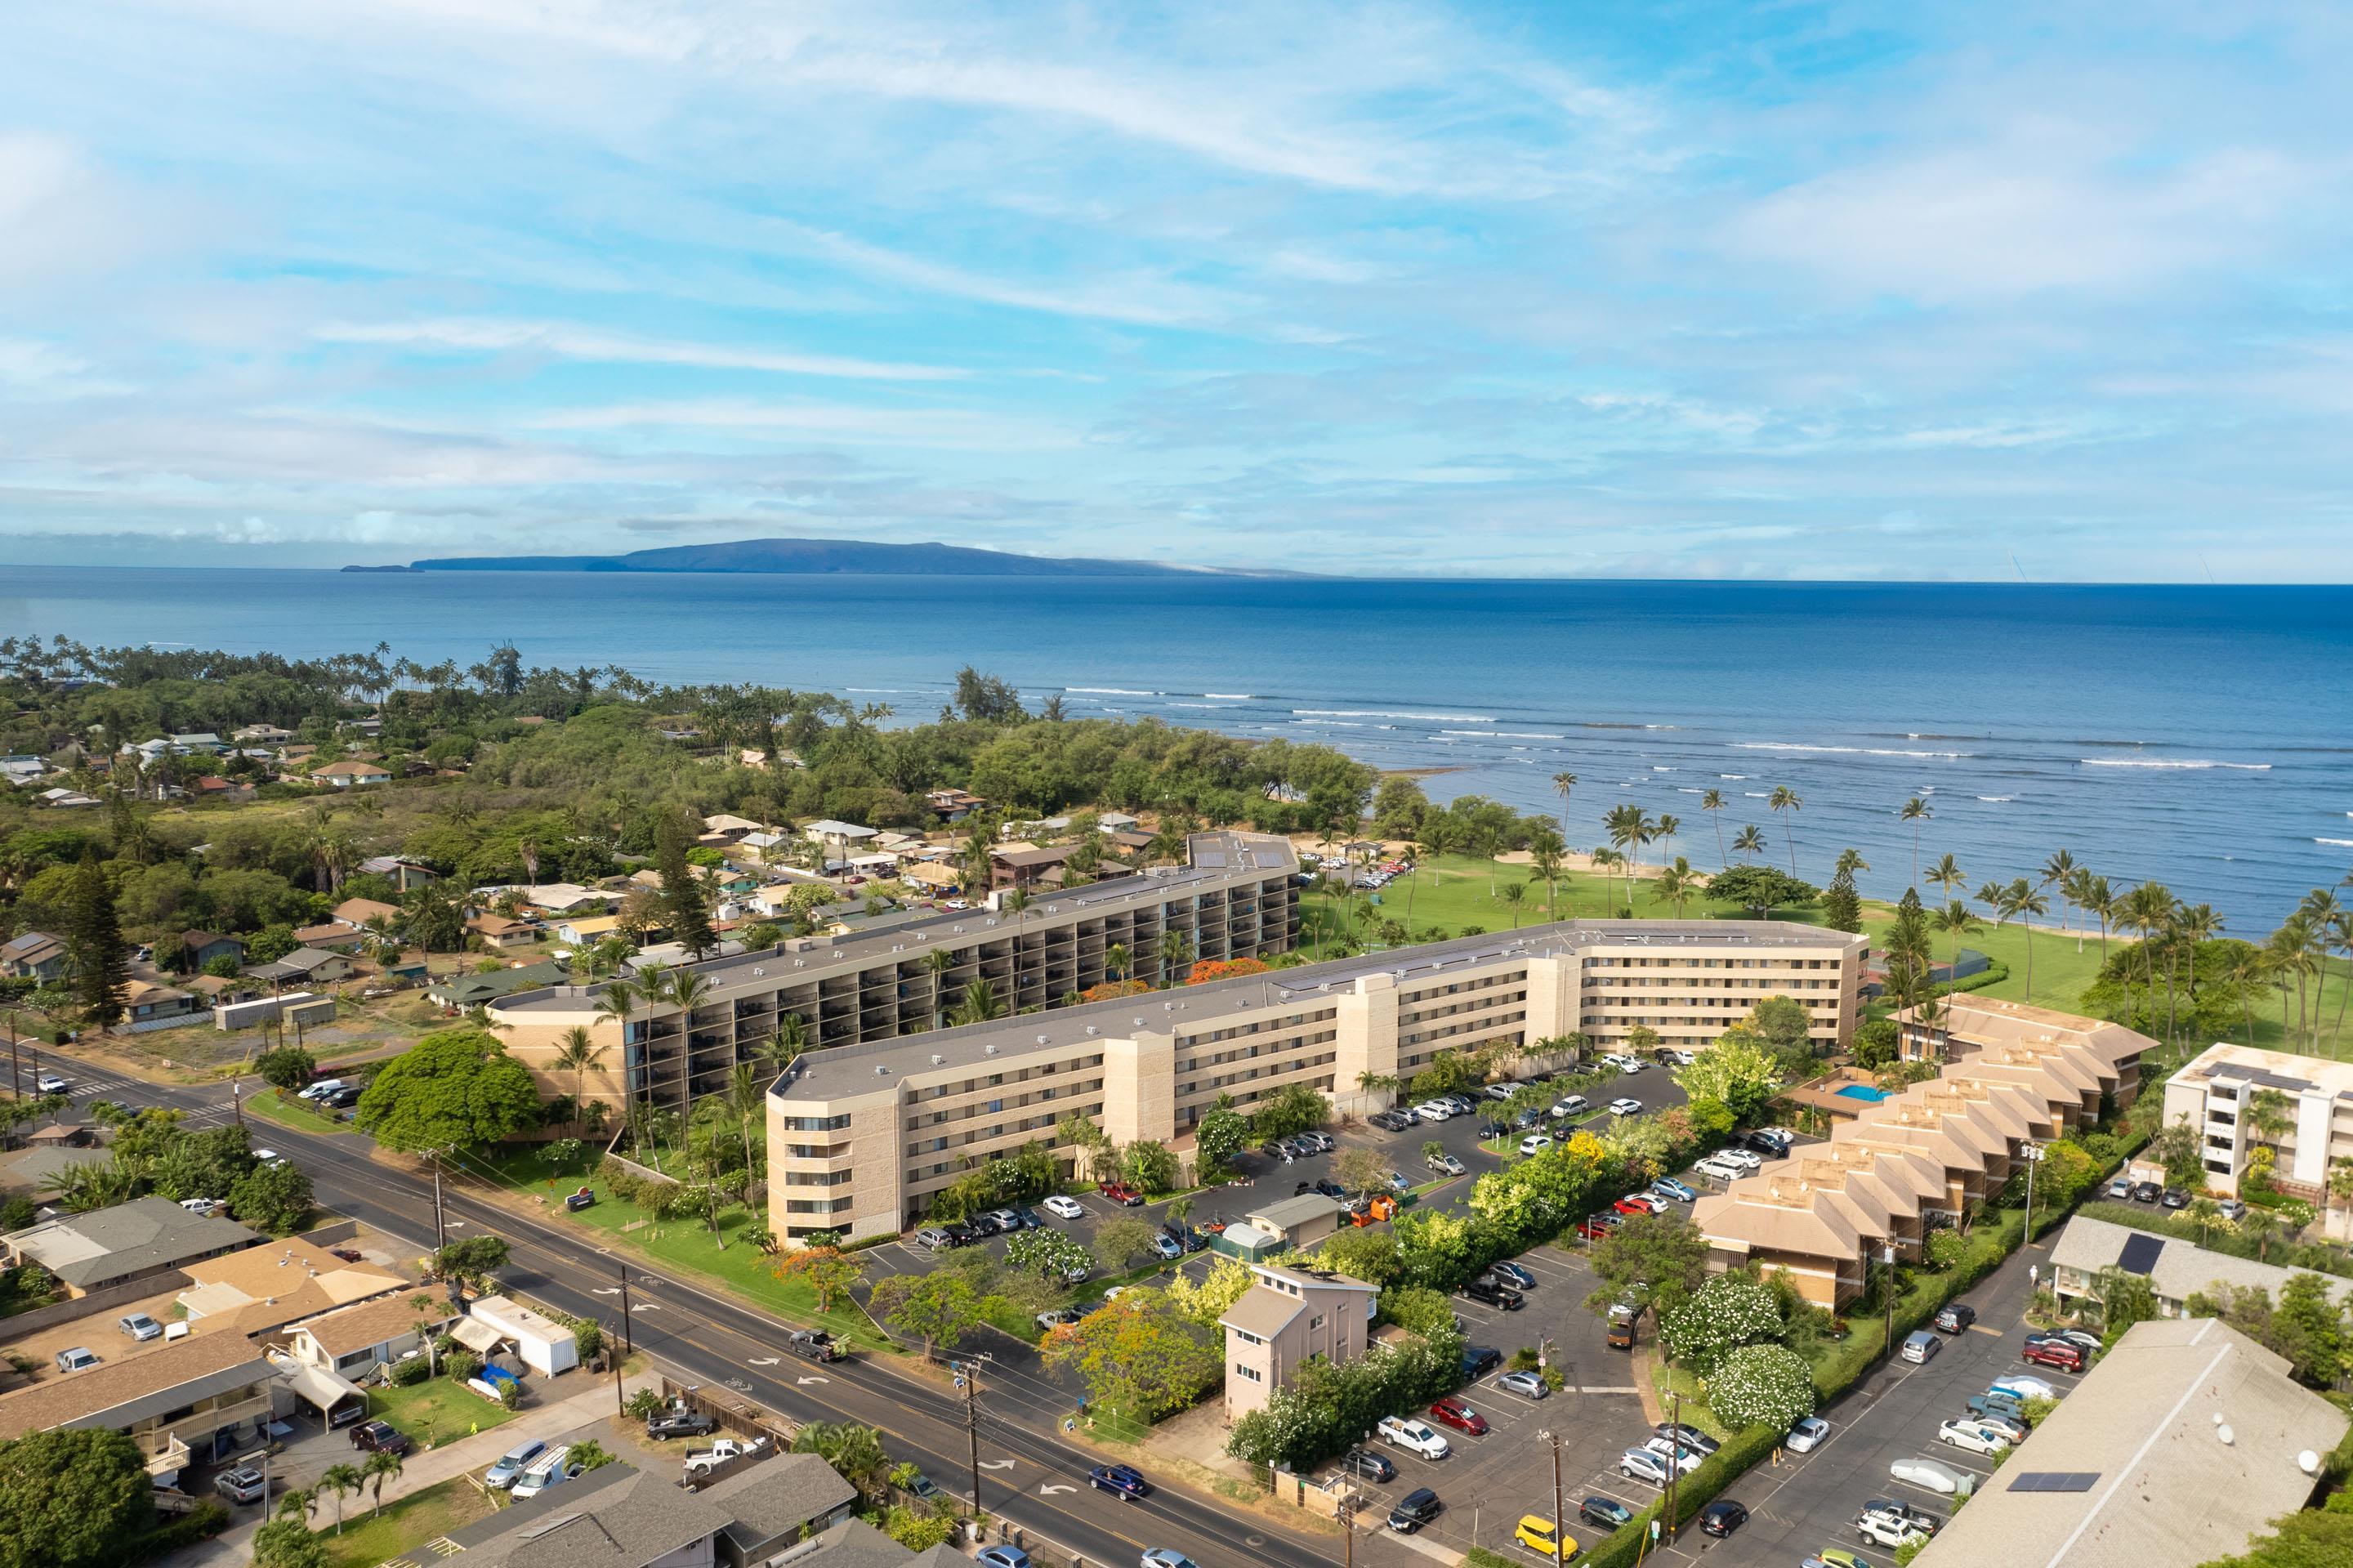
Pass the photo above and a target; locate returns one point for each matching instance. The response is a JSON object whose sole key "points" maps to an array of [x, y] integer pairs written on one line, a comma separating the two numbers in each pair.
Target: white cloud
{"points": [[571, 342], [944, 429]]}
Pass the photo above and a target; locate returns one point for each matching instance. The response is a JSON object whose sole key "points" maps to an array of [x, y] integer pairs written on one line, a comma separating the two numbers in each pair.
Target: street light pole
{"points": [[628, 1342], [2032, 1152], [1557, 1523], [1675, 1459]]}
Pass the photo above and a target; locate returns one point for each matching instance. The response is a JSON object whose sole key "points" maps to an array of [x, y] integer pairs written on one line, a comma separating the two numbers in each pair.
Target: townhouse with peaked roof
{"points": [[1919, 1158], [1287, 1317], [33, 955]]}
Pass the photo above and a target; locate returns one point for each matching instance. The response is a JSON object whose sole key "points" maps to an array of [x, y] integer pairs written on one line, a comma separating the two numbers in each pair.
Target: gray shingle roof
{"points": [[2182, 1269], [127, 1239]]}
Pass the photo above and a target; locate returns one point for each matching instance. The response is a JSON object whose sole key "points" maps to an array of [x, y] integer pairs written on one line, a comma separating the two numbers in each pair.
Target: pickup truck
{"points": [[1889, 1529], [680, 1423], [816, 1345], [1999, 1405], [719, 1453]]}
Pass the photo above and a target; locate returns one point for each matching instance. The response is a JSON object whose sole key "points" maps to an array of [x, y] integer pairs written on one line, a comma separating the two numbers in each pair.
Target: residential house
{"points": [[34, 956], [407, 875], [260, 734], [2176, 1270], [66, 800], [20, 769], [151, 1001], [184, 1401], [212, 787], [349, 774], [784, 1509], [305, 966], [2239, 1099], [955, 805], [1113, 821], [567, 898], [500, 934], [587, 930], [459, 992], [198, 948], [268, 1287], [357, 913], [1024, 865], [219, 993], [837, 836], [931, 878], [136, 1240], [334, 934], [352, 1341], [1300, 1222], [1287, 1317], [30, 1171], [725, 829]]}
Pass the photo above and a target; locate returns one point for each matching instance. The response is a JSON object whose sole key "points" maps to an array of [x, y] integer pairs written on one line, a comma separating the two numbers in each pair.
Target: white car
{"points": [[1686, 1461], [202, 1208], [1504, 1090], [1434, 1110], [2022, 1387], [1889, 1529], [1625, 1107], [1806, 1436], [1721, 1169], [1066, 1208], [1745, 1157], [1569, 1106], [51, 1083], [1642, 1465], [1624, 1063], [1414, 1437], [1534, 1143], [1930, 1475], [268, 1157], [1969, 1435]]}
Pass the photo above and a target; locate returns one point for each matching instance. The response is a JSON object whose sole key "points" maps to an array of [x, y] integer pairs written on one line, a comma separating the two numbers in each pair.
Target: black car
{"points": [[1414, 1509], [1329, 1188], [1388, 1121], [1771, 1145], [981, 1226], [1364, 1462], [1494, 1293], [680, 1423], [344, 1098], [1722, 1517], [1031, 1219], [1606, 1512], [2147, 1191], [1690, 1436], [1495, 1129], [1478, 1361], [2175, 1197], [1957, 1317]]}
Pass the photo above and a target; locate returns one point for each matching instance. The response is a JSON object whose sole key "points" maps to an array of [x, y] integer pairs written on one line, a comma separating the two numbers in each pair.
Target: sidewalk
{"points": [[591, 1404]]}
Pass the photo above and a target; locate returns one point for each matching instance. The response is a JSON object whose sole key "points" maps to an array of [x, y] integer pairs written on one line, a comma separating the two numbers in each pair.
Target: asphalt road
{"points": [[1030, 1478]]}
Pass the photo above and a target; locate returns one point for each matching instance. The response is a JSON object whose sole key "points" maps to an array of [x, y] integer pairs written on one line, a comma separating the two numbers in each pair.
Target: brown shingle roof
{"points": [[78, 1395], [372, 1323]]}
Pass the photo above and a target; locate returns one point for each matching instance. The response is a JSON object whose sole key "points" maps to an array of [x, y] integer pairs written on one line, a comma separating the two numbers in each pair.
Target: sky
{"points": [[1584, 290]]}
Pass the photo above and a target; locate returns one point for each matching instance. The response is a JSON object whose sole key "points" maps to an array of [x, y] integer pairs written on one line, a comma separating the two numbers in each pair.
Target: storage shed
{"points": [[542, 1343], [1246, 1241]]}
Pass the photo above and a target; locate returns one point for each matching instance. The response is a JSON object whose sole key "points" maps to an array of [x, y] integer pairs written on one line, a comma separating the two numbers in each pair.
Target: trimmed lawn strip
{"points": [[436, 1411], [404, 1525], [292, 1113]]}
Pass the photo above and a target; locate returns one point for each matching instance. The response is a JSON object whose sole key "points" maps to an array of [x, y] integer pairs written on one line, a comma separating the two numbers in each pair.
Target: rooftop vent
{"points": [[881, 1071], [938, 1060], [757, 973], [1091, 1031], [991, 1050], [1044, 1039]]}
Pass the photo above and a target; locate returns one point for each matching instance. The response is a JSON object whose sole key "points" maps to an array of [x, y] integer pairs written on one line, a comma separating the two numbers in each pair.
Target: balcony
{"points": [[164, 1460]]}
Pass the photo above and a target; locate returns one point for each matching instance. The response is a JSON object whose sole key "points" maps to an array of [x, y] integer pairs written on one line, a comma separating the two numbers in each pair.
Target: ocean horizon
{"points": [[2123, 723]]}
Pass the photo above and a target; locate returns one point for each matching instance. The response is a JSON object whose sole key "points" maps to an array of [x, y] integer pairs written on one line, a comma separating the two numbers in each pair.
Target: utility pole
{"points": [[1559, 1532], [968, 1377], [2032, 1152], [440, 1226], [1348, 1505], [628, 1343], [237, 1100], [1887, 1290], [620, 1406], [1675, 1459]]}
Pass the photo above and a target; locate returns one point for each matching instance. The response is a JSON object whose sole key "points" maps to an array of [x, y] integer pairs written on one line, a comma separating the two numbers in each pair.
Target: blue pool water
{"points": [[1862, 1092]]}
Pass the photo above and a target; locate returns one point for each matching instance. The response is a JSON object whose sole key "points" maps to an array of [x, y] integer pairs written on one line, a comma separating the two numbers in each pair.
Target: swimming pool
{"points": [[1862, 1092]]}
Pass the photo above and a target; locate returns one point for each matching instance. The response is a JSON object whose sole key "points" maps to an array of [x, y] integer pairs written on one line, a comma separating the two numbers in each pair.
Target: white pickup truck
{"points": [[721, 1452]]}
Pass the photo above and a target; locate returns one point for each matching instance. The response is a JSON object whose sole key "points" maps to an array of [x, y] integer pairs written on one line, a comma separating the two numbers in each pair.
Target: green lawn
{"points": [[290, 1113], [436, 1411], [404, 1525]]}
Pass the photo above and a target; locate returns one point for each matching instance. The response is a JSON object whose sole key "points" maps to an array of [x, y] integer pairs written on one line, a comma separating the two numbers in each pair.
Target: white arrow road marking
{"points": [[999, 1465], [606, 1290], [1050, 1491], [804, 1382], [765, 1361], [645, 1307]]}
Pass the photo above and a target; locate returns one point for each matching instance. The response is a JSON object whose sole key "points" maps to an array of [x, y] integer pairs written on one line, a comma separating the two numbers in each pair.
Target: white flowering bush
{"points": [[1726, 1312], [1767, 1385]]}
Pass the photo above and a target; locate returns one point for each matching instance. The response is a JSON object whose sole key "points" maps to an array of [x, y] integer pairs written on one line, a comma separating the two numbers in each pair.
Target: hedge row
{"points": [[1625, 1546]]}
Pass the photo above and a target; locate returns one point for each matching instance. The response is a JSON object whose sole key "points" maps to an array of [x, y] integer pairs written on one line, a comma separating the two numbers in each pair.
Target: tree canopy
{"points": [[452, 1089], [72, 1499]]}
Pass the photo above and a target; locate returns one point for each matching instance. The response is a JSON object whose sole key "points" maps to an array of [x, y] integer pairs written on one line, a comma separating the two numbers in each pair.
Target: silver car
{"points": [[140, 1327], [1528, 1384], [513, 1463]]}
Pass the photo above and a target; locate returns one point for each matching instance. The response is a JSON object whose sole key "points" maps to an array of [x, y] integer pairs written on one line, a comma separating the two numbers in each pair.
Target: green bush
{"points": [[202, 1522], [409, 1374], [1623, 1546], [460, 1365]]}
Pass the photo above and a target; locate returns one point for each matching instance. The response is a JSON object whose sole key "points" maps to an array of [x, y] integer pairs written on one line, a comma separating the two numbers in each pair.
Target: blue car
{"points": [[1123, 1481], [1003, 1557], [1668, 1187]]}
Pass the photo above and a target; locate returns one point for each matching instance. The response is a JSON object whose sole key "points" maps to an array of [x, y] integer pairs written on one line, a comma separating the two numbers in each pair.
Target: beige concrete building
{"points": [[1285, 1318], [1235, 899], [1915, 1160], [2217, 1095], [862, 1136]]}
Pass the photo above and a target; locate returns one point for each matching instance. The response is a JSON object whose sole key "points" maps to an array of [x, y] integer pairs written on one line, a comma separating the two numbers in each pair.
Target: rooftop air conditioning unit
{"points": [[991, 1050], [1043, 1040], [881, 1071], [938, 1060], [757, 973]]}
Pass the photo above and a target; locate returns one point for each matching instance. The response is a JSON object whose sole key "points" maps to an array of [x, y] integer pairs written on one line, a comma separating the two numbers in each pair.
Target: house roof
{"points": [[831, 829], [366, 1323], [778, 1496], [1030, 855], [107, 1243], [282, 1269], [1290, 1211], [195, 941], [300, 962], [349, 768], [360, 911], [2190, 1434], [327, 935], [1263, 1312], [222, 1357], [2178, 1269], [31, 947]]}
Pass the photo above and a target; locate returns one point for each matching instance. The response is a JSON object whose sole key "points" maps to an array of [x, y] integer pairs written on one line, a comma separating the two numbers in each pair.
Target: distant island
{"points": [[811, 556]]}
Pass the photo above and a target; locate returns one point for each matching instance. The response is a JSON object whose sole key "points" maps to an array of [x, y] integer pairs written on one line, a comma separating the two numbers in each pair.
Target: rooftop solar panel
{"points": [[2054, 1482], [2140, 1253]]}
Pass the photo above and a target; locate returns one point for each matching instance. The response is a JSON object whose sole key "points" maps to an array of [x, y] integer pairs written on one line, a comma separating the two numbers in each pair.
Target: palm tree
{"points": [[1949, 878], [1749, 841], [1785, 798], [340, 1478], [980, 1004], [577, 1050], [937, 963], [1678, 883], [1606, 861], [1562, 783], [1513, 895], [382, 1465], [2025, 900], [428, 1320], [2148, 910], [1437, 840], [785, 1044], [1712, 802], [1629, 829], [1915, 811], [2195, 925], [1175, 955], [2059, 871], [1850, 861], [747, 1097], [2096, 899], [618, 1002], [1115, 961], [1178, 1211], [1544, 856]]}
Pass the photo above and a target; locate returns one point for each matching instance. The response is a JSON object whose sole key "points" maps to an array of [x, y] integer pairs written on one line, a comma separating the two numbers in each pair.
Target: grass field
{"points": [[437, 1411], [291, 1112], [1449, 896], [403, 1527]]}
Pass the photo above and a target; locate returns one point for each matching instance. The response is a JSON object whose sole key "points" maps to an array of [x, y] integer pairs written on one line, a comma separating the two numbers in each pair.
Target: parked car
{"points": [[1930, 1475], [1806, 1436], [2023, 1386], [1434, 1110], [1526, 1385], [2233, 1210], [1772, 1142], [74, 1359], [1123, 1482], [140, 1327], [1451, 1411], [1514, 1275], [1065, 1208], [1746, 1159], [932, 1238], [2058, 1353], [2175, 1197], [1446, 1165], [1318, 1142], [1687, 1435], [1685, 1459], [1504, 1090], [1478, 1361], [1120, 1192], [204, 1208], [1169, 1247], [1640, 1203], [1494, 1293], [2012, 1430], [2089, 1343], [1971, 1436], [1606, 1512], [1720, 1168], [1834, 1557], [1956, 1317], [2121, 1189], [1414, 1437], [1002, 1557], [673, 1424], [1624, 1106], [1388, 1121], [1029, 1217], [1534, 1143], [2147, 1191], [1722, 1517], [1568, 1106], [1669, 1188], [1535, 1533], [1371, 1467], [1920, 1347], [1414, 1509], [1619, 1336], [1642, 1465], [1997, 1407], [242, 1485], [511, 1464], [1887, 1530], [1396, 1181], [379, 1438], [1903, 1512], [1054, 1317], [1006, 1220], [1594, 1227]]}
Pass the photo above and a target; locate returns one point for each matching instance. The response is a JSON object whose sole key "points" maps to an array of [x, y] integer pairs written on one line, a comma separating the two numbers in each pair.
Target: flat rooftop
{"points": [[1216, 858], [845, 1072], [2282, 1070]]}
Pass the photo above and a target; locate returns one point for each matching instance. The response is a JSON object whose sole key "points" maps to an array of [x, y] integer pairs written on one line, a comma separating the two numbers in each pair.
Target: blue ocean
{"points": [[2200, 736]]}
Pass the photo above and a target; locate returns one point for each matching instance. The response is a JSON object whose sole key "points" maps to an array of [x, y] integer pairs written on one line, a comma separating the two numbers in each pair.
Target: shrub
{"points": [[460, 1366], [1728, 1311], [1761, 1385], [409, 1374]]}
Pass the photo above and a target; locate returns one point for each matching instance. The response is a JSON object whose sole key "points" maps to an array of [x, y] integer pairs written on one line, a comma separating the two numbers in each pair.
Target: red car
{"points": [[1638, 1205], [2054, 1353], [1453, 1412], [1596, 1227], [1121, 1192]]}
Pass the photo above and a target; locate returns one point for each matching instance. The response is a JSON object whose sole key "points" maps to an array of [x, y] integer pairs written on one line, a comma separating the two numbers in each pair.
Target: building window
{"points": [[1250, 1374]]}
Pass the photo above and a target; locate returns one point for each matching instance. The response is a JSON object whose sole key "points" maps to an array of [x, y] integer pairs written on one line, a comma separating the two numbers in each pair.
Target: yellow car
{"points": [[1536, 1534]]}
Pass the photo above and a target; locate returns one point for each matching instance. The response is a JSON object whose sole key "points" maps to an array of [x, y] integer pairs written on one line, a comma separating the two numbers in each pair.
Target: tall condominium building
{"points": [[861, 1138], [2222, 1094], [1237, 897]]}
